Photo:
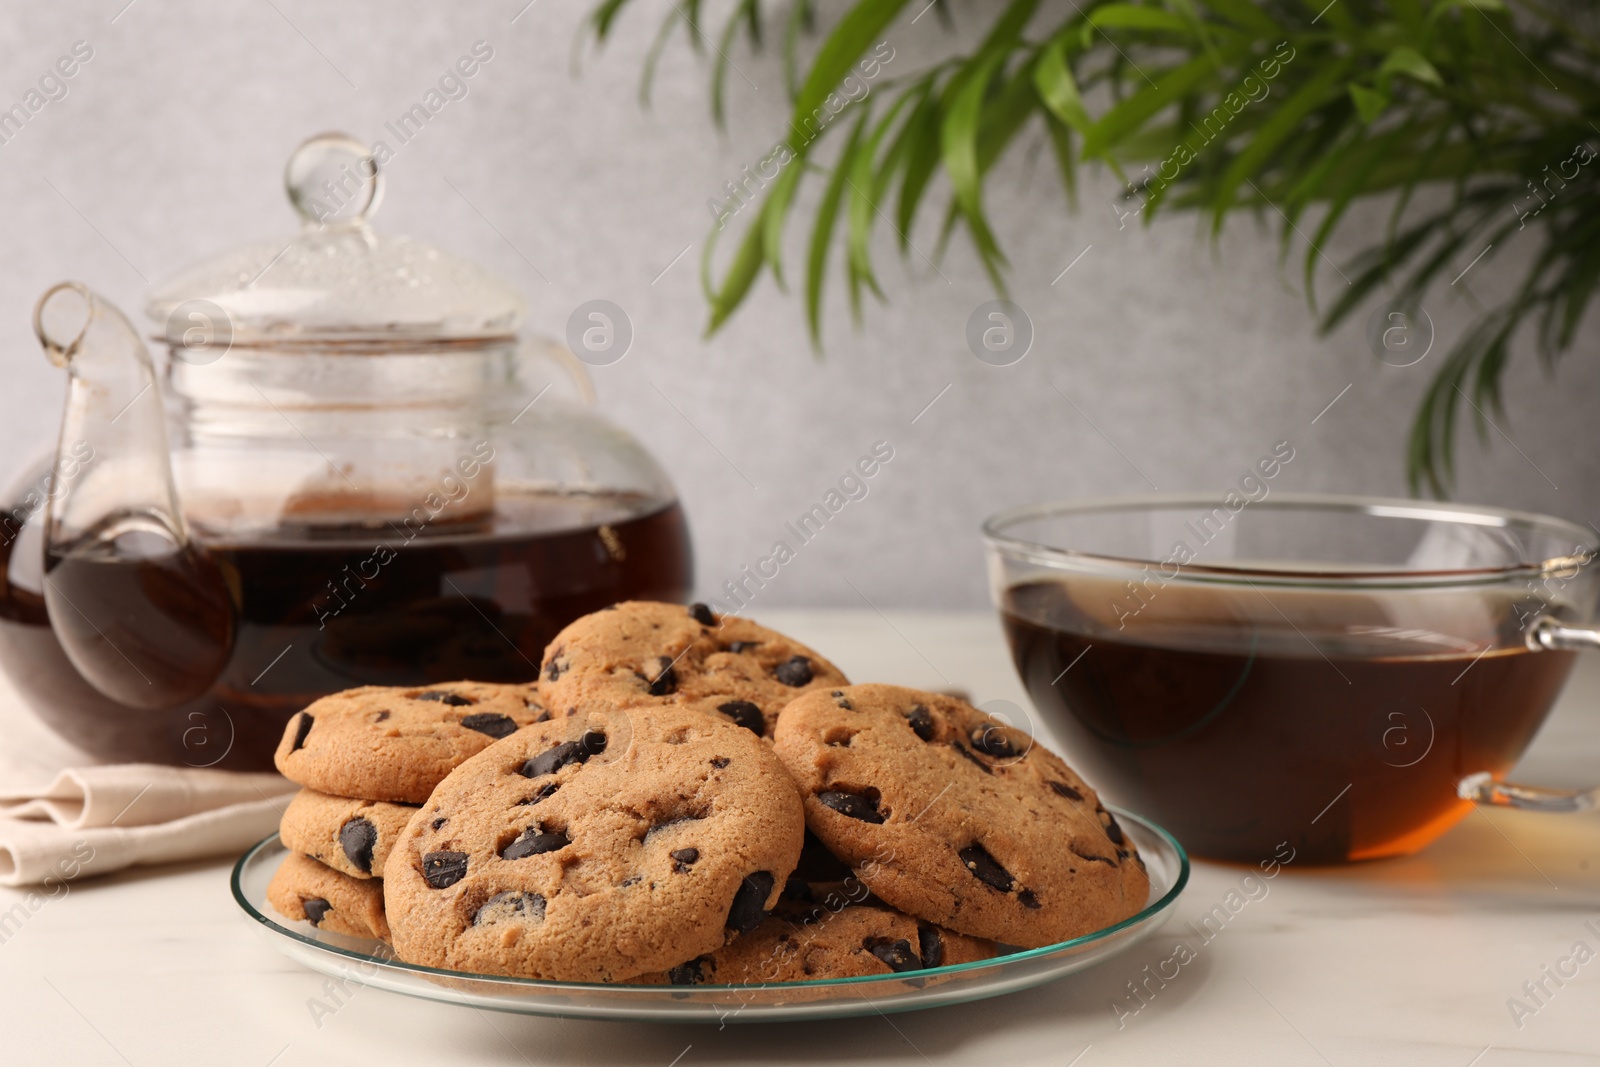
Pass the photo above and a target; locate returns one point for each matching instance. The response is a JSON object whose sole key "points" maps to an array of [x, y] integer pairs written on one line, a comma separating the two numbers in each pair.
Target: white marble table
{"points": [[1403, 962]]}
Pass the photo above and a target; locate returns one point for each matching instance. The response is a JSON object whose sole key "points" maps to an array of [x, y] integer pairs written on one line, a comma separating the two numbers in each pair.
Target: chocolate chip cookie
{"points": [[848, 941], [304, 889], [955, 818], [396, 744], [649, 654], [599, 845], [351, 836]]}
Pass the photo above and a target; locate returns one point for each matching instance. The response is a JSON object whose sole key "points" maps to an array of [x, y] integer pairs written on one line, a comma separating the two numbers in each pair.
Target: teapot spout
{"points": [[141, 611]]}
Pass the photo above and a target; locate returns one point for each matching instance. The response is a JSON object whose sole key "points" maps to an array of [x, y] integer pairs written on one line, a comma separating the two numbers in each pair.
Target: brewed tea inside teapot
{"points": [[352, 471]]}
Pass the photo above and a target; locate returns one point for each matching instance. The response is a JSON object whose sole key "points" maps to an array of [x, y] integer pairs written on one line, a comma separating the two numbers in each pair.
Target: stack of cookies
{"points": [[367, 758], [706, 801]]}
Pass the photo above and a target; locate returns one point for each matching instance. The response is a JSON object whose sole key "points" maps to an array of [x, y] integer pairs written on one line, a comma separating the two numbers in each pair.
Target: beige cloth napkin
{"points": [[64, 816]]}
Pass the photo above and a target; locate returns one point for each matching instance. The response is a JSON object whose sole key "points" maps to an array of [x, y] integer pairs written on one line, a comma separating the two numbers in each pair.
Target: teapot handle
{"points": [[533, 347]]}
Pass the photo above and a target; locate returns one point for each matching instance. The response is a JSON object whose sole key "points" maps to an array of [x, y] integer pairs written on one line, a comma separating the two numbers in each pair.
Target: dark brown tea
{"points": [[1239, 718], [140, 614], [307, 612]]}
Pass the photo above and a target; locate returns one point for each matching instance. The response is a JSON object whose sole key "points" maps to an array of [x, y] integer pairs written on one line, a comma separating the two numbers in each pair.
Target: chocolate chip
{"points": [[843, 701], [439, 822], [749, 903], [719, 762], [316, 910], [855, 805], [357, 837], [487, 722], [455, 700], [682, 859], [931, 944], [897, 954], [553, 670], [745, 714], [300, 732], [921, 720], [992, 741], [382, 715], [592, 743], [1065, 790], [553, 760], [794, 671], [534, 842], [444, 869], [742, 646], [702, 614], [1113, 831], [1107, 860], [985, 869], [1028, 900], [510, 905], [542, 793], [974, 760], [691, 973], [666, 682]]}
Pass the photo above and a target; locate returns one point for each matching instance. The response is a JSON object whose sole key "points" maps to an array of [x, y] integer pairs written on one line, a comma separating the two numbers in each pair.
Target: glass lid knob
{"points": [[333, 180], [337, 278]]}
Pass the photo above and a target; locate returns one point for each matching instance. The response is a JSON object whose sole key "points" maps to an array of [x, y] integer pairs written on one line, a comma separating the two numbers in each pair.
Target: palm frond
{"points": [[1217, 106]]}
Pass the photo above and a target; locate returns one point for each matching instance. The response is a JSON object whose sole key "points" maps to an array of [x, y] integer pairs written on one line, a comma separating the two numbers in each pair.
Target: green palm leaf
{"points": [[1478, 103]]}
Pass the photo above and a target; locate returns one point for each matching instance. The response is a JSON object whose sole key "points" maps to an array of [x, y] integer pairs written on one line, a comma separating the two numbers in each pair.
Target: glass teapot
{"points": [[352, 471]]}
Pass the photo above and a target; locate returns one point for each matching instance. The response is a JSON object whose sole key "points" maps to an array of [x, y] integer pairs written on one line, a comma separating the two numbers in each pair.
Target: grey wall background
{"points": [[1158, 358]]}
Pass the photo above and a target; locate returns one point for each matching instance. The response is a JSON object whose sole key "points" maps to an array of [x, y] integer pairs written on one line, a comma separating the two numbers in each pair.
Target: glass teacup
{"points": [[1344, 674]]}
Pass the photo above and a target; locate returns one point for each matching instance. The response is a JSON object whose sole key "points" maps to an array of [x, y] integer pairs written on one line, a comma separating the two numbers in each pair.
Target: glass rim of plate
{"points": [[1151, 910]]}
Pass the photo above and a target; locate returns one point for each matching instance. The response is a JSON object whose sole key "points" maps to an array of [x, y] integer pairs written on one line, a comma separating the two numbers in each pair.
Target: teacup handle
{"points": [[1481, 788], [1546, 634]]}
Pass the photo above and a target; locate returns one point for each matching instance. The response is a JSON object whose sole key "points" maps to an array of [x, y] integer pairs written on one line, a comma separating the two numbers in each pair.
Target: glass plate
{"points": [[372, 963]]}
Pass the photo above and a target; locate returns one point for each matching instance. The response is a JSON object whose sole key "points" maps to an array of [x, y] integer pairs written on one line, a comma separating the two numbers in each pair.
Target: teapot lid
{"points": [[337, 280]]}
